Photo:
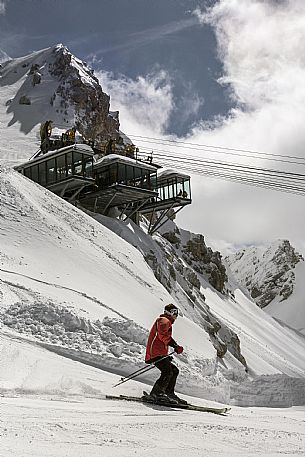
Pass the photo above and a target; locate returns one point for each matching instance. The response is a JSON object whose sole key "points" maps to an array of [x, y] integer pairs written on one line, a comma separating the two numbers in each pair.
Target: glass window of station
{"points": [[55, 169], [176, 187], [125, 174]]}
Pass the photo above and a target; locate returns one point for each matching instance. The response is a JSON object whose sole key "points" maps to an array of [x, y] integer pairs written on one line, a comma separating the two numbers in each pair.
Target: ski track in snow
{"points": [[58, 286]]}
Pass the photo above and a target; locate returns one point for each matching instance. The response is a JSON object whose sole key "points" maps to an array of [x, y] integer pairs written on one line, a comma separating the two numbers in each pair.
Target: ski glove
{"points": [[179, 349]]}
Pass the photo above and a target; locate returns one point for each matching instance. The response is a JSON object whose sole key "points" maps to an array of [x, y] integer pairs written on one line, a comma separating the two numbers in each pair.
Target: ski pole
{"points": [[145, 368], [134, 376], [142, 370], [135, 372]]}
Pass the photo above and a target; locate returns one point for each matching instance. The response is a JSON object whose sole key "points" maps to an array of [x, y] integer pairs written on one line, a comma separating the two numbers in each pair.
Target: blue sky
{"points": [[130, 38]]}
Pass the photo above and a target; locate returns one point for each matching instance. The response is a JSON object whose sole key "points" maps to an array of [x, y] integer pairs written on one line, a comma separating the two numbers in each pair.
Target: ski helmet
{"points": [[171, 310]]}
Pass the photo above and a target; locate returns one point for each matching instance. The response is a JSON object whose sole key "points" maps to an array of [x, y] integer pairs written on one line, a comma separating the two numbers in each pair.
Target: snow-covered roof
{"points": [[113, 158], [168, 173], [84, 148]]}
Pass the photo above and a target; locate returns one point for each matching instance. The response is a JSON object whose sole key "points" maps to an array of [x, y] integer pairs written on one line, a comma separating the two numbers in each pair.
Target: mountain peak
{"points": [[54, 84], [267, 273], [61, 46], [61, 49], [282, 252]]}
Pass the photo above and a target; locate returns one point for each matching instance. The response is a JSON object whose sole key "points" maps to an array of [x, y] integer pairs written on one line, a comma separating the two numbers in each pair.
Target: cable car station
{"points": [[101, 181]]}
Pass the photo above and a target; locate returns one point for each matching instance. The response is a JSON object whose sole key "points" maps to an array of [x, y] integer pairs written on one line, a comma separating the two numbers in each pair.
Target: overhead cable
{"points": [[238, 166], [258, 177], [212, 148]]}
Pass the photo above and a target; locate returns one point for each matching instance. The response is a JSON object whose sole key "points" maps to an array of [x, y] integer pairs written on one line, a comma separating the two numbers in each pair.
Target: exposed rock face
{"points": [[187, 259], [205, 261], [172, 237], [24, 100], [36, 78], [79, 87], [266, 273], [68, 91]]}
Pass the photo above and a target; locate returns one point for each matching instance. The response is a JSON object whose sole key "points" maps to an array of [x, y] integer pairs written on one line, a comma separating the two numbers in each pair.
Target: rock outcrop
{"points": [[79, 87], [267, 273], [68, 91], [201, 258], [205, 261]]}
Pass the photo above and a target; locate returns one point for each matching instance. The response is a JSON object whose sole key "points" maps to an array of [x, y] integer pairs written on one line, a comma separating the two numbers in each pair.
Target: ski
{"points": [[145, 399]]}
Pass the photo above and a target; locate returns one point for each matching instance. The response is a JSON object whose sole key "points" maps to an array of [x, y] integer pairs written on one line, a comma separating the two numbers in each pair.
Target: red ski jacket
{"points": [[160, 337]]}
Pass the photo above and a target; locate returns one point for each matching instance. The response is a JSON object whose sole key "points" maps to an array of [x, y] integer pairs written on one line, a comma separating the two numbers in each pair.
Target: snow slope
{"points": [[273, 276], [292, 310], [54, 255], [19, 139], [58, 260]]}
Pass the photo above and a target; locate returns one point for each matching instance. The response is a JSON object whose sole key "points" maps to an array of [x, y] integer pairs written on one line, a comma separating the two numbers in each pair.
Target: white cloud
{"points": [[145, 103], [2, 6], [260, 43], [261, 46]]}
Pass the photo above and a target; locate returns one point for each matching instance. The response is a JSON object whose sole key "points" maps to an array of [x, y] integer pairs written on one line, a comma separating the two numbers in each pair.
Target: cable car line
{"points": [[257, 183], [284, 182], [178, 142], [233, 154], [237, 166]]}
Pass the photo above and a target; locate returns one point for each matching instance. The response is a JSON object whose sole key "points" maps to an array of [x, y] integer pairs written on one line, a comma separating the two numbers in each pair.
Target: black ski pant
{"points": [[167, 381]]}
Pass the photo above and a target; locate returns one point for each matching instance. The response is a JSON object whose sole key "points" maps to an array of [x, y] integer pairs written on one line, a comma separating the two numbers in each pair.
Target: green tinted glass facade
{"points": [[56, 169]]}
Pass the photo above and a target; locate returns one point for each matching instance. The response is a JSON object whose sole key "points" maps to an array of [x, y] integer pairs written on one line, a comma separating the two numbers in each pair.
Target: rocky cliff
{"points": [[267, 273], [79, 87], [52, 84]]}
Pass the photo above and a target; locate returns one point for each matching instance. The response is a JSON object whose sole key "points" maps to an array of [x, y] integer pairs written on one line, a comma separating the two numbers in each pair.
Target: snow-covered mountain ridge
{"points": [[51, 84], [273, 277], [266, 273]]}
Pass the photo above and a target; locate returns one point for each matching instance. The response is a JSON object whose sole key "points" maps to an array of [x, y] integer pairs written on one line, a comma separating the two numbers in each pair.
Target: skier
{"points": [[159, 339]]}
